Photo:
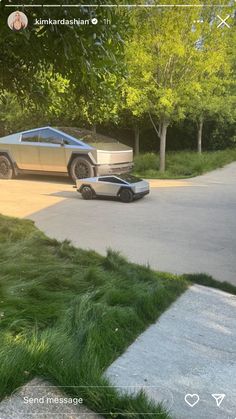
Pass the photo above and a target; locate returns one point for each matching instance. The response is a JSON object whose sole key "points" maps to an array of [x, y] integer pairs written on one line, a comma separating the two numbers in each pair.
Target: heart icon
{"points": [[191, 399]]}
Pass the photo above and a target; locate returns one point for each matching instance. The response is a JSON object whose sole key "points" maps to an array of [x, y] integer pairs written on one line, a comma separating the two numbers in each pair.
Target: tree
{"points": [[215, 99], [78, 52], [100, 103], [213, 93], [163, 70], [54, 104], [61, 70]]}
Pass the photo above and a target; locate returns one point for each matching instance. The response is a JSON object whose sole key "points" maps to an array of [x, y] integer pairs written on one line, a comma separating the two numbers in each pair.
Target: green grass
{"points": [[208, 281], [66, 314], [182, 164]]}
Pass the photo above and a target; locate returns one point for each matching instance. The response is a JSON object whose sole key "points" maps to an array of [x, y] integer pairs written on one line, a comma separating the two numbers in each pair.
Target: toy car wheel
{"points": [[126, 195], [6, 170], [80, 169], [87, 192]]}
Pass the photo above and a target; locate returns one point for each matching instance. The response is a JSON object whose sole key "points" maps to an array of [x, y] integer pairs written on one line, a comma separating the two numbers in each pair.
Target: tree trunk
{"points": [[136, 140], [163, 131], [94, 128], [199, 135]]}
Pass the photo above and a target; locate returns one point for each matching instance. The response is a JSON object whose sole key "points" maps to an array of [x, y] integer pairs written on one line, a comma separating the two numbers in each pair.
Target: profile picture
{"points": [[17, 21]]}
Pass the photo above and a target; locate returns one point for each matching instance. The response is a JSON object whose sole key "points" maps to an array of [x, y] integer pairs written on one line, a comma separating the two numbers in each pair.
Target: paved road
{"points": [[183, 226]]}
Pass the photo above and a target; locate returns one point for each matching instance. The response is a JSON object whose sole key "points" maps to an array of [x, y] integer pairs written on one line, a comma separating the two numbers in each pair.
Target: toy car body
{"points": [[126, 187], [62, 151]]}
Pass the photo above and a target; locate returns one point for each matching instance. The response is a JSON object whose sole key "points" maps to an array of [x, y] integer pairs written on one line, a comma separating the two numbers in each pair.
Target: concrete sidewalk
{"points": [[191, 349]]}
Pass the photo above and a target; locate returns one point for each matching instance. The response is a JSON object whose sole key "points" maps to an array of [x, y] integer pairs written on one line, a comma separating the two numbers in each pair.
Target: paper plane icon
{"points": [[218, 398]]}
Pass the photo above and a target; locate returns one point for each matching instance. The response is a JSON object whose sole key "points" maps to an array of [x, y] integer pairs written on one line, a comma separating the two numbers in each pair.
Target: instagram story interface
{"points": [[117, 209]]}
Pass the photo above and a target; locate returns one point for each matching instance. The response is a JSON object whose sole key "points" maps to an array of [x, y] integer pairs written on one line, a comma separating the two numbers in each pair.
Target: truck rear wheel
{"points": [[6, 169], [80, 168]]}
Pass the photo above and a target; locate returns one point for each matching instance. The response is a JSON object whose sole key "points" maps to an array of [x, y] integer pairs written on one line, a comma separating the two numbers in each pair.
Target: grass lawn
{"points": [[66, 314], [182, 164]]}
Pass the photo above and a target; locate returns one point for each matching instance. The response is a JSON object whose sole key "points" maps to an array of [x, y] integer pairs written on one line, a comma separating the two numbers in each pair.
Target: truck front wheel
{"points": [[80, 168]]}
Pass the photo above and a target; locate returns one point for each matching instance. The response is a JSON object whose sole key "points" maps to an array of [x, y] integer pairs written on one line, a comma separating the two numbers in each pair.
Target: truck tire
{"points": [[6, 169], [80, 168]]}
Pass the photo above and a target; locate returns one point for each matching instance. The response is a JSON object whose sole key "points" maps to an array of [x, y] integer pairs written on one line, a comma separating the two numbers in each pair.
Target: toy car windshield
{"points": [[129, 178]]}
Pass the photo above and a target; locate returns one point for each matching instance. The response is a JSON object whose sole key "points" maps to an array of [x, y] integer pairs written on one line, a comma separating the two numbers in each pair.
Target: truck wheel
{"points": [[87, 192], [126, 195], [80, 169], [6, 170]]}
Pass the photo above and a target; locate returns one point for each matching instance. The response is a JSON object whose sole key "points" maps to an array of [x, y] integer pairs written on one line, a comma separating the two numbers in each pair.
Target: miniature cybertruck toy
{"points": [[125, 187]]}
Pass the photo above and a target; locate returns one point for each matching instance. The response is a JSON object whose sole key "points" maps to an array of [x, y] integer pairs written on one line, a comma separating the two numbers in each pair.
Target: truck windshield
{"points": [[87, 136]]}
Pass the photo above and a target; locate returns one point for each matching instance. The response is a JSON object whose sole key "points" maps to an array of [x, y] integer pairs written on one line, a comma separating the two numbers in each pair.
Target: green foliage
{"points": [[178, 67], [78, 52], [100, 103], [54, 103], [208, 281], [60, 74], [145, 162], [182, 164], [161, 58], [149, 65], [219, 140]]}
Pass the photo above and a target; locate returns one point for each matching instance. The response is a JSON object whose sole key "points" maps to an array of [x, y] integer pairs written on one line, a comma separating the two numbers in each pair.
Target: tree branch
{"points": [[154, 125]]}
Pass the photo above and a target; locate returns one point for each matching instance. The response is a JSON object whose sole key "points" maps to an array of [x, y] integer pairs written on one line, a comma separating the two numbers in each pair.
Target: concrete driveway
{"points": [[182, 227]]}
